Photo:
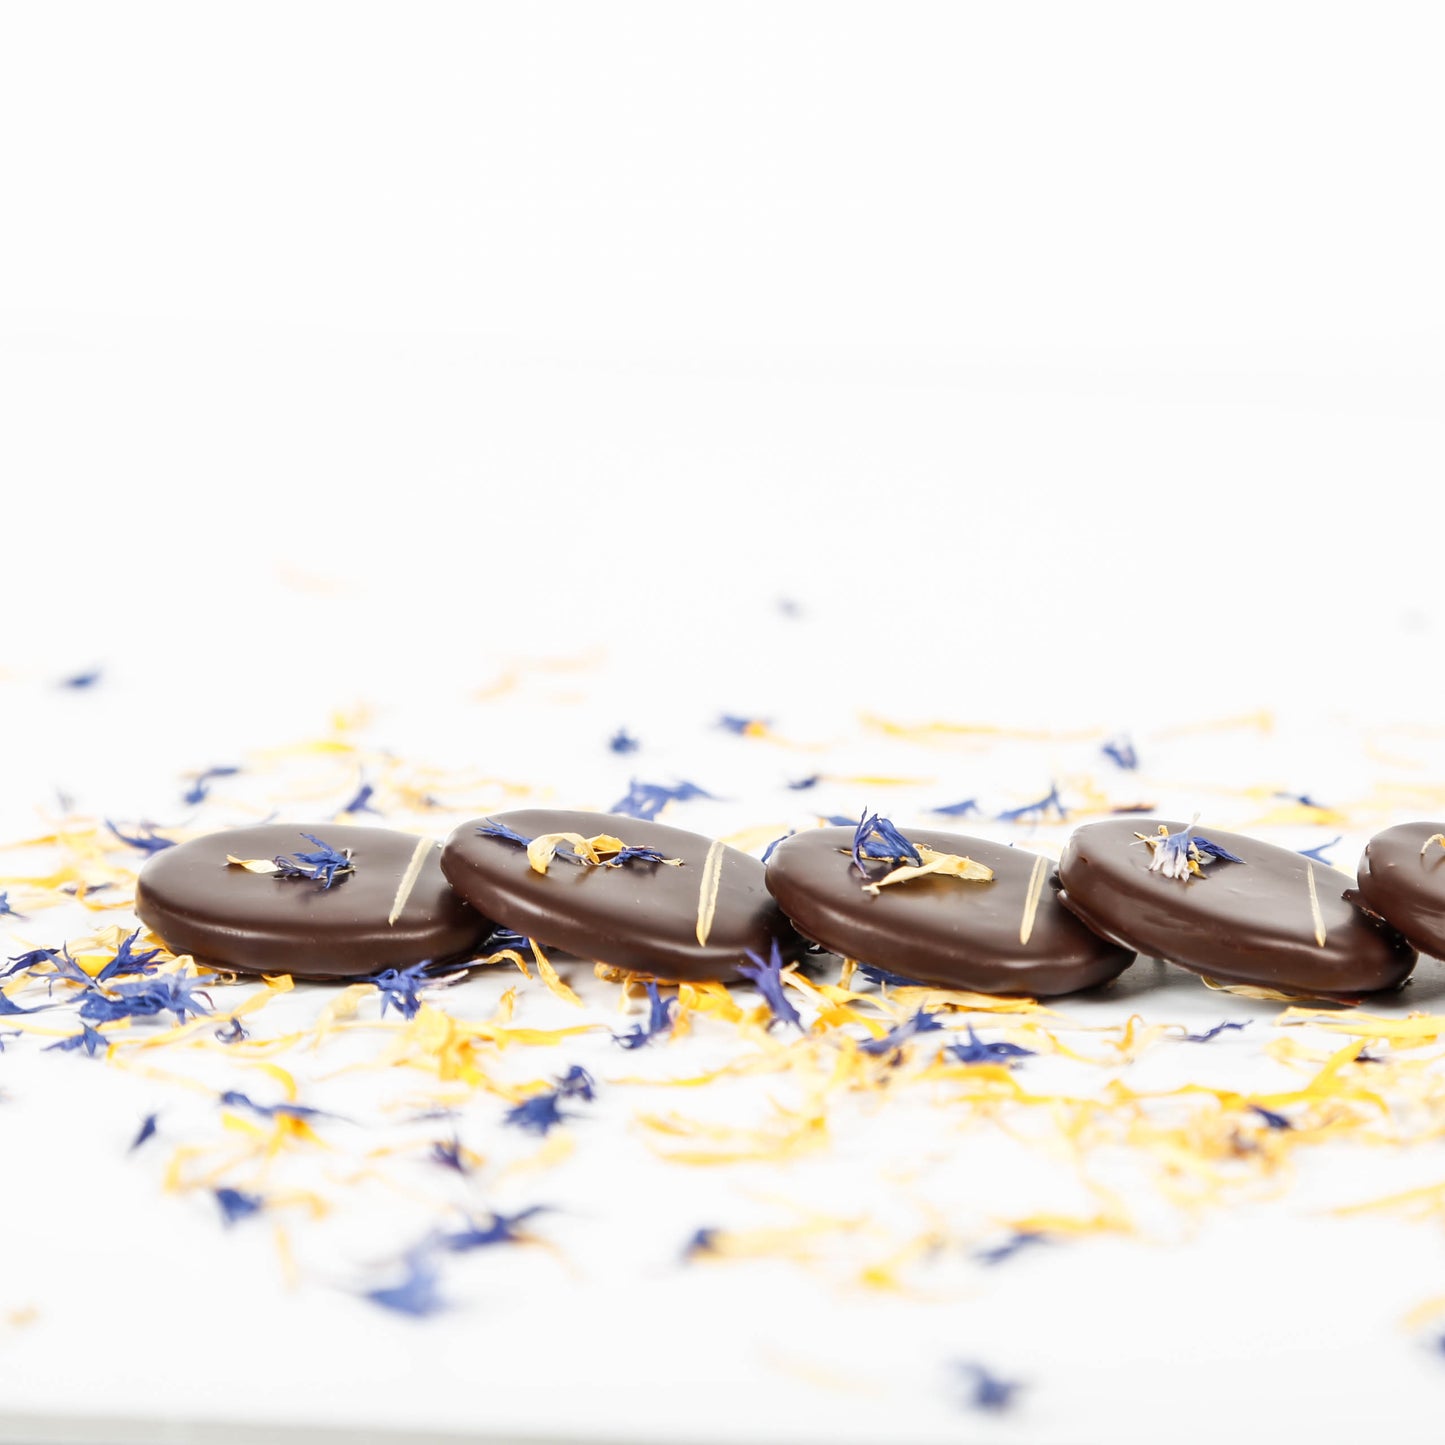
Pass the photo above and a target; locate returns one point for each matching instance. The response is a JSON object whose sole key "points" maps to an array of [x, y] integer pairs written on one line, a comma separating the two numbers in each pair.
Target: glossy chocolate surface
{"points": [[640, 916], [1241, 923], [1405, 886], [943, 931], [257, 923]]}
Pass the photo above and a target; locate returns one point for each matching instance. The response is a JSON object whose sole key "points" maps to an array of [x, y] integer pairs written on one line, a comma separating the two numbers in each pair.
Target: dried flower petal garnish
{"points": [[1016, 1243], [660, 1016], [1432, 840], [1038, 810], [1209, 1035], [1121, 752], [360, 801], [647, 800], [147, 841], [920, 1022], [128, 962], [418, 1294], [766, 975], [236, 1204], [252, 865], [174, 993], [602, 851], [984, 1389], [744, 727], [542, 1112], [875, 837], [200, 787], [976, 1051], [499, 1229], [322, 866], [943, 865], [1182, 854], [963, 809]]}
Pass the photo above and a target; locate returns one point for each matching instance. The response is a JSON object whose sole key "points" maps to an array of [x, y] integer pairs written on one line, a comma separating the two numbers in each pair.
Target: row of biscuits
{"points": [[928, 906]]}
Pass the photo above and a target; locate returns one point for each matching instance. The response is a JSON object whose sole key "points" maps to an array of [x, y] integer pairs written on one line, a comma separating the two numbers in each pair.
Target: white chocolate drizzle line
{"points": [[1315, 906], [1031, 902], [707, 889], [408, 879]]}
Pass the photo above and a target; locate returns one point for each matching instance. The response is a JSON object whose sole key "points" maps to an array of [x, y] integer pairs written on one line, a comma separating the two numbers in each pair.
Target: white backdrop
{"points": [[1010, 311]]}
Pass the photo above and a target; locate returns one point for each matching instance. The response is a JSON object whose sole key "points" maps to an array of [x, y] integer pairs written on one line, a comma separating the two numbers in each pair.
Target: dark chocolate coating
{"points": [[638, 916], [1406, 887], [1241, 923], [944, 931], [257, 923]]}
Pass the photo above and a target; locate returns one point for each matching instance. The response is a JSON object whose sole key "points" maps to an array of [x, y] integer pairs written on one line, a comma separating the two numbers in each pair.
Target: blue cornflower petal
{"points": [[1018, 1241], [766, 975], [741, 726], [236, 1204], [1275, 1121], [360, 802], [647, 800], [234, 1099], [1215, 1032], [872, 972], [321, 866], [417, 1295], [876, 837], [769, 850], [538, 1115], [1038, 809], [1317, 853], [702, 1242], [147, 1131], [957, 810], [201, 784], [1213, 850], [448, 1153], [80, 680], [975, 1051], [147, 842], [986, 1391], [234, 1032], [577, 1083], [1121, 752], [89, 1039], [921, 1022], [28, 962], [500, 1229], [127, 961], [622, 742], [659, 1021], [400, 988], [167, 993]]}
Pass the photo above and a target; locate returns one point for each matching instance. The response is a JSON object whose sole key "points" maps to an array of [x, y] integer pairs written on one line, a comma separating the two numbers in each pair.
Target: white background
{"points": [[1072, 362], [1018, 319]]}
